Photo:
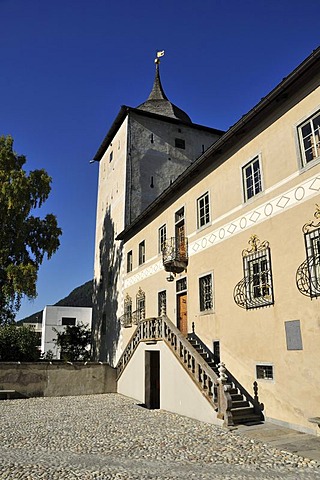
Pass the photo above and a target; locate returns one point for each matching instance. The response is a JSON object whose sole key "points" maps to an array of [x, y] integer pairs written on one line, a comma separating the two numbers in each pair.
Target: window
{"points": [[129, 261], [205, 293], [203, 210], [309, 138], [141, 304], [251, 176], [255, 289], [257, 271], [264, 372], [142, 252], [162, 236], [180, 143], [162, 303], [111, 156], [126, 319], [181, 285], [68, 321]]}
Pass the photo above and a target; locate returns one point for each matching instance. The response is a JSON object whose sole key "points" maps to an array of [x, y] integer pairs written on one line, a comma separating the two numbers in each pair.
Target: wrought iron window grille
{"points": [[205, 293], [308, 273], [255, 290]]}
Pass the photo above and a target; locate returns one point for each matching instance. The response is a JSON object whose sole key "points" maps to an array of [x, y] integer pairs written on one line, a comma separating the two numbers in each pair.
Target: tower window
{"points": [[180, 143], [111, 156]]}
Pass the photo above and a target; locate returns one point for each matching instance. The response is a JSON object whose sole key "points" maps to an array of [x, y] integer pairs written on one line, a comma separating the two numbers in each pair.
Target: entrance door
{"points": [[152, 379], [182, 313]]}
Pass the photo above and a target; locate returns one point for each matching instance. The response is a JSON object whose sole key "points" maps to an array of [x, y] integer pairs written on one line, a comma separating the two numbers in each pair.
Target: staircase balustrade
{"points": [[161, 328]]}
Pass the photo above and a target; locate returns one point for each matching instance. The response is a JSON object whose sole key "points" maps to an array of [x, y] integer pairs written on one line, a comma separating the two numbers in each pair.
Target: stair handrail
{"points": [[161, 328], [258, 407]]}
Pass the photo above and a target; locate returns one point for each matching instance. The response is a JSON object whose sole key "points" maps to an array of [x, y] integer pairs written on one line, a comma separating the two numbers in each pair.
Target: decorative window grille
{"points": [[251, 176], [308, 273], [162, 303], [203, 210], [142, 252], [181, 285], [255, 289], [141, 304], [129, 261], [264, 372], [309, 137], [162, 236], [126, 319], [205, 293]]}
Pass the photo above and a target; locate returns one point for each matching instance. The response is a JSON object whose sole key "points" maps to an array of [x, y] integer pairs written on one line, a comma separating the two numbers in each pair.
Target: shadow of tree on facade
{"points": [[106, 325]]}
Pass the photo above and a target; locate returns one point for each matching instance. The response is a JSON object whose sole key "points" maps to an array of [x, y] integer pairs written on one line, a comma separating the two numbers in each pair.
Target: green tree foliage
{"points": [[24, 238], [74, 342], [18, 344]]}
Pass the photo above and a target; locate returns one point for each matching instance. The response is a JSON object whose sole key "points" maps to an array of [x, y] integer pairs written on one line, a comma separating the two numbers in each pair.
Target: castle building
{"points": [[207, 283]]}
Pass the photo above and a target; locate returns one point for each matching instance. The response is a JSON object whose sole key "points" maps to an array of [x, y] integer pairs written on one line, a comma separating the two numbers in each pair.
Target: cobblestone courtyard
{"points": [[109, 437]]}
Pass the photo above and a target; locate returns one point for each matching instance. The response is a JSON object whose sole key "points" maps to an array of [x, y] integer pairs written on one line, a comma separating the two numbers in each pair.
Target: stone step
{"points": [[239, 403], [242, 411], [236, 397], [253, 419]]}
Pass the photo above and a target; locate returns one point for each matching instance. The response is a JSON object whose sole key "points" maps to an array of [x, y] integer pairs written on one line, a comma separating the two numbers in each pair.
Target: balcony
{"points": [[175, 254]]}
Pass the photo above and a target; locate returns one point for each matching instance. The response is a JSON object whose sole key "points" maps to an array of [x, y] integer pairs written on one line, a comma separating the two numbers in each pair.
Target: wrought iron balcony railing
{"points": [[175, 254], [248, 295], [308, 277]]}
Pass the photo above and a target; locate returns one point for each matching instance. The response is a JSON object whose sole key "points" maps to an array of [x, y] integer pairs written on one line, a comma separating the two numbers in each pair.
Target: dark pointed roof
{"points": [[158, 102]]}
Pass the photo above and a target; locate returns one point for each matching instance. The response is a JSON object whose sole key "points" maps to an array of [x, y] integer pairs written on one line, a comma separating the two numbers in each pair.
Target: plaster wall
{"points": [[277, 214], [178, 393]]}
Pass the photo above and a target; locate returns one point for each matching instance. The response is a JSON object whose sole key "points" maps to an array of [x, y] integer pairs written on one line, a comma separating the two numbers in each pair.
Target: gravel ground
{"points": [[110, 437]]}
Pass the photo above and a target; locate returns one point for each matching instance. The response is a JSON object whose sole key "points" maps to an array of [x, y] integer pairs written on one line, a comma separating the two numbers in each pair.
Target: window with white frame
{"points": [[309, 138], [264, 372], [129, 261], [203, 210], [255, 290], [251, 177], [142, 252], [258, 275], [162, 303], [205, 293], [162, 236]]}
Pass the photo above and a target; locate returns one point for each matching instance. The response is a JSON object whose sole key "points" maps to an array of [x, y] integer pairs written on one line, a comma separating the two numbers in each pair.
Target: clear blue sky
{"points": [[68, 65]]}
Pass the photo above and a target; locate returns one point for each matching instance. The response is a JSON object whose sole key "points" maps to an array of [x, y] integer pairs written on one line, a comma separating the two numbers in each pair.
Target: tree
{"points": [[18, 344], [74, 342], [24, 238]]}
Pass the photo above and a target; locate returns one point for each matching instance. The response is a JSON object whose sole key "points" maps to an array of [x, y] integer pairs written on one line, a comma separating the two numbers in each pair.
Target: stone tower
{"points": [[144, 151]]}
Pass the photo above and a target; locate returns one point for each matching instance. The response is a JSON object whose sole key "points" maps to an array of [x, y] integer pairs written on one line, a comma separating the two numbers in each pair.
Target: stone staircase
{"points": [[244, 408], [231, 402]]}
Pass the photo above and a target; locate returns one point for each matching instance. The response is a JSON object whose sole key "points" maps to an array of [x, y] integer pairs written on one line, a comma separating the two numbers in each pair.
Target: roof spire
{"points": [[158, 102]]}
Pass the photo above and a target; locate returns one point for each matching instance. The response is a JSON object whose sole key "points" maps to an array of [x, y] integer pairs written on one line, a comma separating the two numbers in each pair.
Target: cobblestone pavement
{"points": [[110, 437]]}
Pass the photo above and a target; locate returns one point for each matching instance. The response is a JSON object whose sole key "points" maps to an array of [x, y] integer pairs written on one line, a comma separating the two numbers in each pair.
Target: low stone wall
{"points": [[43, 379]]}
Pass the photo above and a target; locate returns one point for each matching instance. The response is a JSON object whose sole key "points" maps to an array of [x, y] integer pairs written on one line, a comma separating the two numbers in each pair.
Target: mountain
{"points": [[79, 297]]}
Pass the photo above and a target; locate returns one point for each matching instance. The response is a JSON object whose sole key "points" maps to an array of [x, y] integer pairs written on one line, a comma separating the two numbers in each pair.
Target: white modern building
{"points": [[57, 318]]}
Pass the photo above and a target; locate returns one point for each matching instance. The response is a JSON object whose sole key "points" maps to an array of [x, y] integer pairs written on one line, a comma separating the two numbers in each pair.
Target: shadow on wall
{"points": [[106, 326]]}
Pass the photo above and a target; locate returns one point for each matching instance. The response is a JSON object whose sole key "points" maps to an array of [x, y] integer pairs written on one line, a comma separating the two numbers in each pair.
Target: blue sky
{"points": [[68, 65]]}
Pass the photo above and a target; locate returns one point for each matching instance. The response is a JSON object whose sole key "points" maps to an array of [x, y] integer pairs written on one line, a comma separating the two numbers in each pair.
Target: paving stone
{"points": [[100, 437]]}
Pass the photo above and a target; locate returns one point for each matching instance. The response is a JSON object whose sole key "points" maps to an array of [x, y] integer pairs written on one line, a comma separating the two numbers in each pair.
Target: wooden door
{"points": [[182, 313]]}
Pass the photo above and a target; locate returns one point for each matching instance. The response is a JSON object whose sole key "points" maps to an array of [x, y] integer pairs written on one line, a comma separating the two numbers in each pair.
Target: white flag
{"points": [[160, 54]]}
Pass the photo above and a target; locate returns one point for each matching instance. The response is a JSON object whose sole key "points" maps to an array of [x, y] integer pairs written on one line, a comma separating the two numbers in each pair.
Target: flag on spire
{"points": [[160, 53]]}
